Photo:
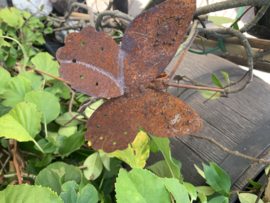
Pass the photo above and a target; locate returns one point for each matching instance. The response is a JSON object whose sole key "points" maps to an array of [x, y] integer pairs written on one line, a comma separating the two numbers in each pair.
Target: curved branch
{"points": [[114, 13], [244, 41], [230, 4]]}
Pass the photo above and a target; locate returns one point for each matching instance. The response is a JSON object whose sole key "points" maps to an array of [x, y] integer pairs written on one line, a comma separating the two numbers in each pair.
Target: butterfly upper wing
{"points": [[89, 61], [116, 122], [152, 39]]}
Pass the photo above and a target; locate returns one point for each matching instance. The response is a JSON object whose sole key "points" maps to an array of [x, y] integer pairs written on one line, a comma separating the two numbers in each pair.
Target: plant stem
{"points": [[38, 146], [24, 53]]}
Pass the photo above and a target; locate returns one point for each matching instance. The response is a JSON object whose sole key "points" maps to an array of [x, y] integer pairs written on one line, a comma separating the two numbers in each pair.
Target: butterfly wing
{"points": [[89, 61], [152, 39], [116, 123]]}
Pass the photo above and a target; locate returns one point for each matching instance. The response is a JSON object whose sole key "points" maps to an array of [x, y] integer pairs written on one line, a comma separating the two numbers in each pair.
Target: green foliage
{"points": [[56, 174], [219, 21], [71, 194], [248, 198], [4, 79], [29, 194], [163, 145], [137, 153], [217, 179], [22, 123], [94, 166], [130, 183]]}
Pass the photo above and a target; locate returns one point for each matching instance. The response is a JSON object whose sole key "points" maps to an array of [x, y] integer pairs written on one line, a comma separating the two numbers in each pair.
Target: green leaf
{"points": [[153, 147], [202, 198], [223, 176], [255, 184], [47, 159], [88, 194], [114, 168], [22, 123], [140, 185], [4, 79], [216, 80], [71, 144], [30, 194], [28, 34], [217, 20], [40, 40], [215, 180], [57, 173], [226, 76], [46, 102], [209, 94], [36, 80], [161, 169], [11, 61], [105, 159], [17, 88], [191, 190], [42, 7], [178, 191], [48, 30], [93, 107], [4, 142], [164, 146], [220, 199], [206, 190], [248, 198], [61, 90], [44, 61], [49, 24], [67, 131], [4, 110], [9, 16], [137, 153], [199, 171], [64, 118], [94, 166]]}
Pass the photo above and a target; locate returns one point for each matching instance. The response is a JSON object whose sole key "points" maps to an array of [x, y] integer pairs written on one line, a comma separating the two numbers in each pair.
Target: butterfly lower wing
{"points": [[89, 61], [152, 39], [115, 124]]}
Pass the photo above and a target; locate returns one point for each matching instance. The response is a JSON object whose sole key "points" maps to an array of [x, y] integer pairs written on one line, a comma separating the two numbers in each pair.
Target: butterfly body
{"points": [[94, 64]]}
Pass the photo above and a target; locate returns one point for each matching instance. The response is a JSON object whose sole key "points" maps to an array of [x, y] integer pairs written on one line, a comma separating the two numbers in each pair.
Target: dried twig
{"points": [[236, 153], [71, 104], [16, 163], [263, 186]]}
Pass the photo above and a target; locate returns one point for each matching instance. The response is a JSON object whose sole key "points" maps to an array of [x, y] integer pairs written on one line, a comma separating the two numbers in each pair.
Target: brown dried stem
{"points": [[18, 172], [236, 153]]}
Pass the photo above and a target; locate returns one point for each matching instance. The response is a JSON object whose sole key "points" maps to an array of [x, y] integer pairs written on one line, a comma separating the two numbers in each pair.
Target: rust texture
{"points": [[93, 63], [115, 123], [89, 61], [152, 39]]}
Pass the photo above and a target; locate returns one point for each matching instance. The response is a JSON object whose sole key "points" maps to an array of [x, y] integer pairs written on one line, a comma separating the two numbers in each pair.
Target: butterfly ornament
{"points": [[95, 65]]}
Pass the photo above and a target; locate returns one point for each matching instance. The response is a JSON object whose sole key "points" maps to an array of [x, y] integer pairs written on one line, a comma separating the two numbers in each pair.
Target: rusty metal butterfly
{"points": [[95, 65]]}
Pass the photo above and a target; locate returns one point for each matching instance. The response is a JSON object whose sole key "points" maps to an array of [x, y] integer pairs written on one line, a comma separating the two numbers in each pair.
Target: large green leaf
{"points": [[202, 198], [56, 174], [46, 102], [164, 146], [161, 169], [61, 90], [140, 185], [22, 123], [10, 17], [4, 79], [105, 159], [67, 130], [4, 110], [216, 180], [88, 194], [178, 191], [94, 166], [71, 143], [248, 198], [44, 61], [28, 194], [35, 79], [17, 88], [137, 153], [220, 199], [223, 176]]}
